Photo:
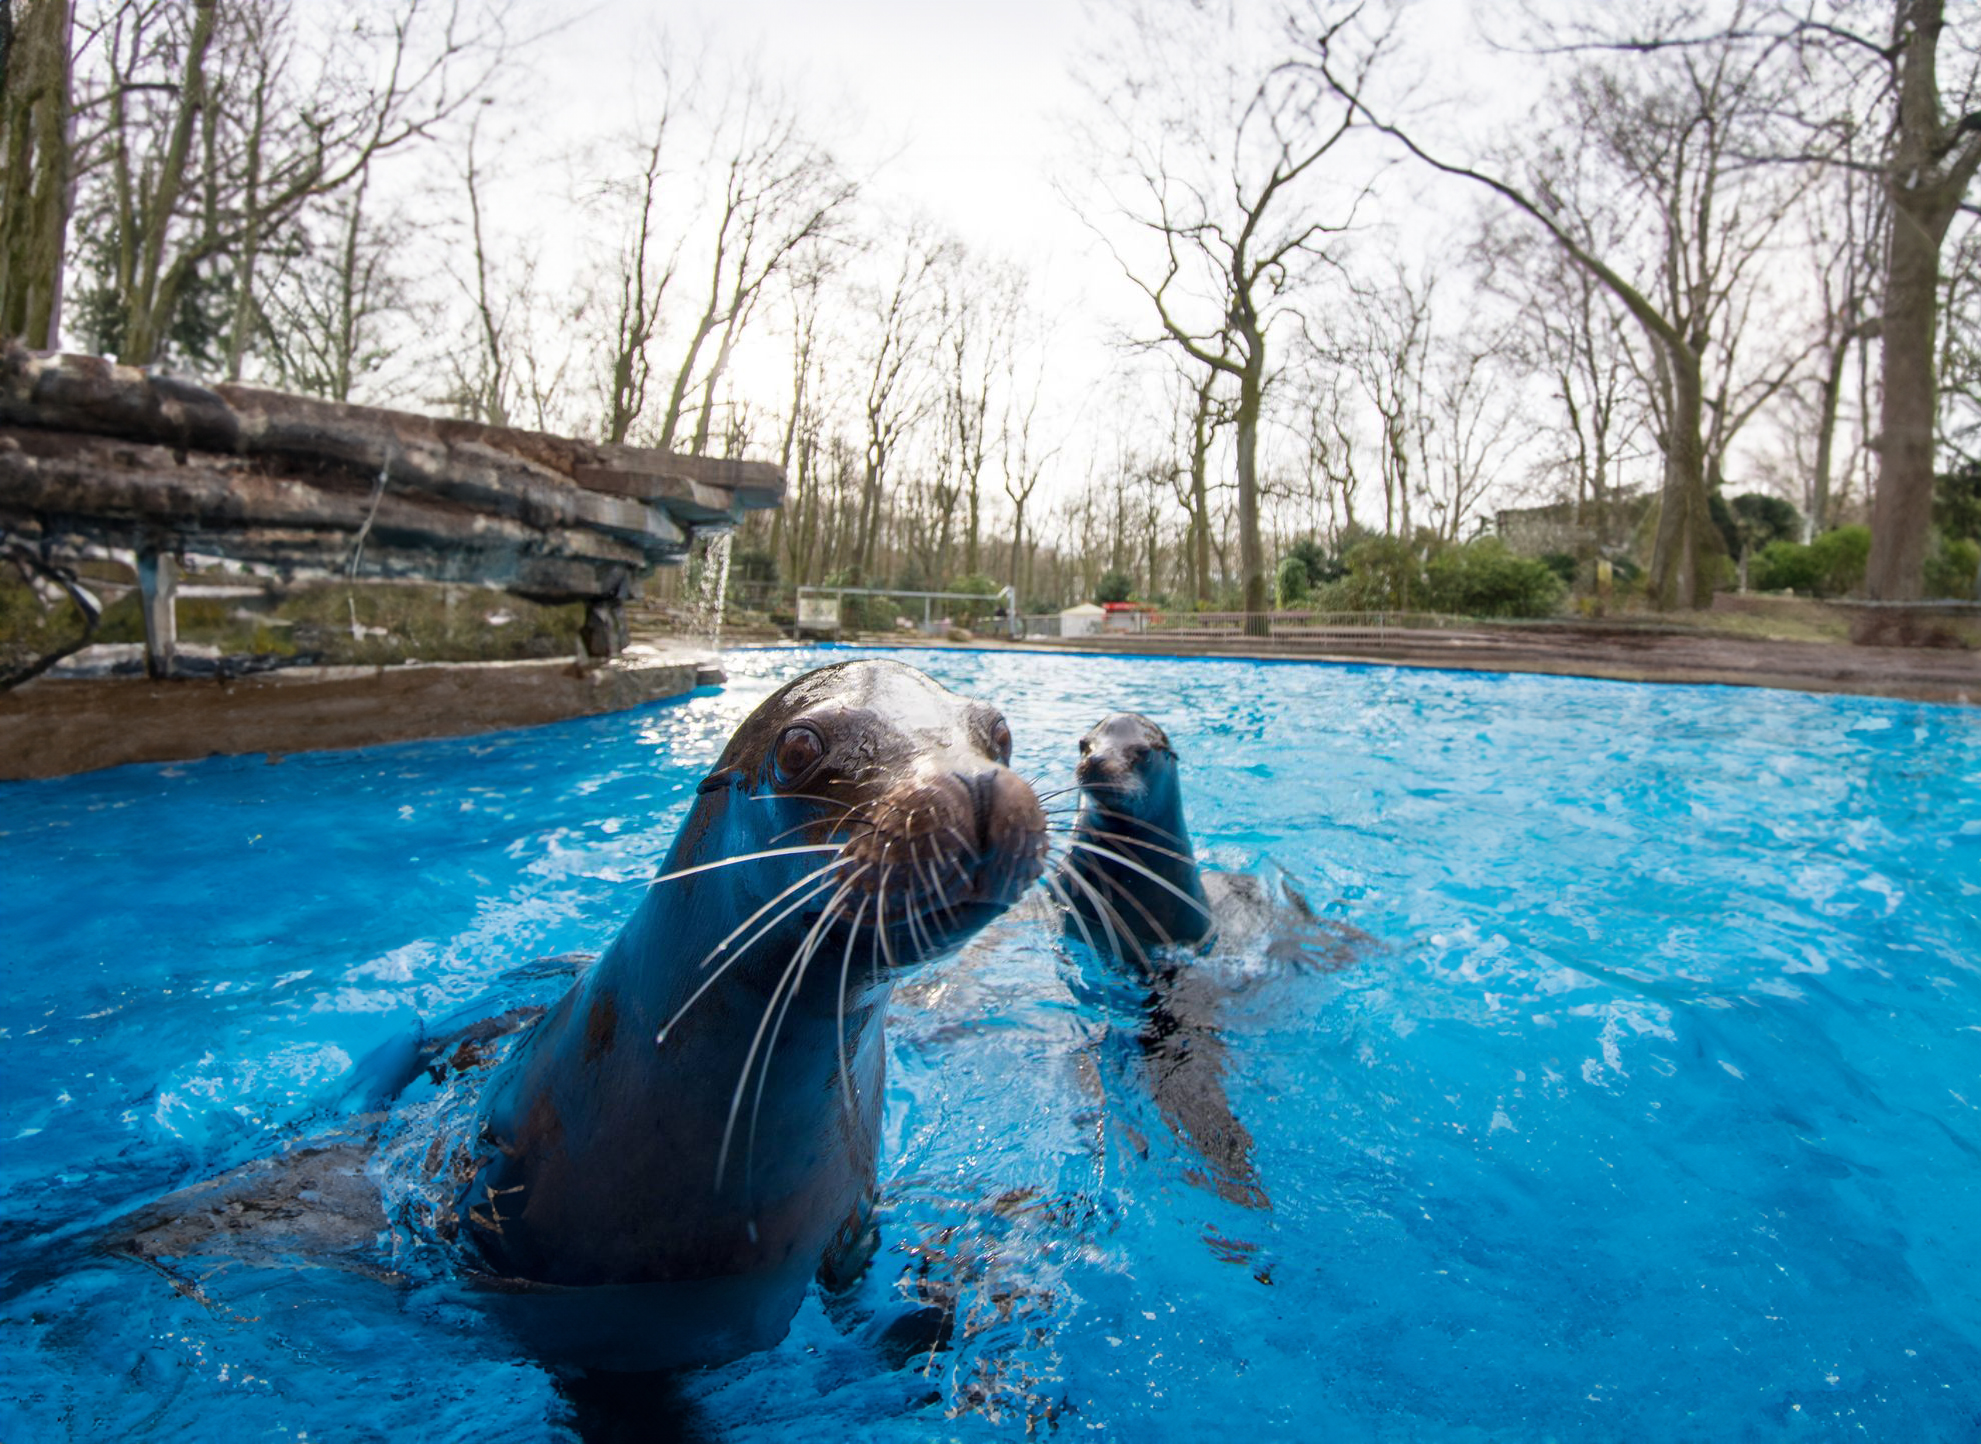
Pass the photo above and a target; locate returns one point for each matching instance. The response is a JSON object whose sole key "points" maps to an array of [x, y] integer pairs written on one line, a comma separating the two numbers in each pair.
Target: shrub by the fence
{"points": [[1830, 566], [1484, 579]]}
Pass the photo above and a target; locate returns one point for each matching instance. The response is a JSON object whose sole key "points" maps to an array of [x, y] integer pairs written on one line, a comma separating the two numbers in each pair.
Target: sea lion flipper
{"points": [[851, 1250]]}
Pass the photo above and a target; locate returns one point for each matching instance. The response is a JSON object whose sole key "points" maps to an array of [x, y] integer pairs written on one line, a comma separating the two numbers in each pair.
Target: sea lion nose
{"points": [[1010, 829]]}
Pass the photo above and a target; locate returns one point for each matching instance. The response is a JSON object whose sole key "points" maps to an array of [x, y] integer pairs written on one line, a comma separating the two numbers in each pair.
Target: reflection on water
{"points": [[1652, 1114]]}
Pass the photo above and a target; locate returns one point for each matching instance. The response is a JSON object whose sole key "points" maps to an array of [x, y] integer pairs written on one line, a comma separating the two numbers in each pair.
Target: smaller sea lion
{"points": [[1134, 893]]}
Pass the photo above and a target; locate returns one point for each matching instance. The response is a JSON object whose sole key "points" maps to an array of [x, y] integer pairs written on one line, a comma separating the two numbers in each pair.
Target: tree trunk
{"points": [[35, 118], [1017, 550], [1902, 513], [1251, 553], [1200, 506], [1682, 560], [250, 248], [970, 544], [154, 294], [1826, 431]]}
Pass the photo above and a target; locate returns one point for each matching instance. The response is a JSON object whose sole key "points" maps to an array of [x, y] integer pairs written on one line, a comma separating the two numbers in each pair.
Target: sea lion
{"points": [[702, 1109], [1130, 880], [664, 1160], [1134, 893]]}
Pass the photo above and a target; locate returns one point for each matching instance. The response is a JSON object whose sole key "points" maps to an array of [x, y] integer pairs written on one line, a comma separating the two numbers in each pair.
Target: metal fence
{"points": [[1233, 626], [1298, 626]]}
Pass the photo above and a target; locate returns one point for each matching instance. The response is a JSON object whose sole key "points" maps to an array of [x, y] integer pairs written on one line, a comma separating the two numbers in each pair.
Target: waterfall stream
{"points": [[714, 586]]}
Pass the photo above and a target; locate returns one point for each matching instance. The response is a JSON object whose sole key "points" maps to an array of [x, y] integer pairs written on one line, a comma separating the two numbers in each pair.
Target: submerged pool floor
{"points": [[1651, 1111]]}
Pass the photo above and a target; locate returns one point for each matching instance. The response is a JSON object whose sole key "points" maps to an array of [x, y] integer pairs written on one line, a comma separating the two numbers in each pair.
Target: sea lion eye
{"points": [[1086, 745], [1000, 739], [799, 750]]}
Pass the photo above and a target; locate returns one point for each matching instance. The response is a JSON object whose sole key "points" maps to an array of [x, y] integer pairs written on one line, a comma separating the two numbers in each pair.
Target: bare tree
{"points": [[1960, 349], [1571, 333], [1935, 151], [1023, 458], [1466, 429], [1199, 414], [779, 189], [797, 522], [1847, 227], [979, 315], [212, 139], [1219, 177], [1387, 356], [638, 273], [1671, 126], [897, 391], [329, 310], [1326, 427]]}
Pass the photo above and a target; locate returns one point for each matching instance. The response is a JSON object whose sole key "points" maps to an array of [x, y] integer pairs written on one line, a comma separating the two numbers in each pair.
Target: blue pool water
{"points": [[1651, 1113]]}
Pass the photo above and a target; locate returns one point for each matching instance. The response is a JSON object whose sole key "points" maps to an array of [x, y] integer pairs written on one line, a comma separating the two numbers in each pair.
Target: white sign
{"points": [[818, 614]]}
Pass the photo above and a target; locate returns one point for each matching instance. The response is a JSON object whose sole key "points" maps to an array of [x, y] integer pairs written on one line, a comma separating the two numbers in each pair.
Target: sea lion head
{"points": [[909, 780], [1128, 768]]}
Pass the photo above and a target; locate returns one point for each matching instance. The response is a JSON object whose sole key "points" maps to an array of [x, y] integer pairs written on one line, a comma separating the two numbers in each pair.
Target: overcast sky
{"points": [[961, 110]]}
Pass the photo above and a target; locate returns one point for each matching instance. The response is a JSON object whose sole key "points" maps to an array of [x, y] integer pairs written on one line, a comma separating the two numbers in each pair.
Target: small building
{"points": [[1084, 620], [1127, 616]]}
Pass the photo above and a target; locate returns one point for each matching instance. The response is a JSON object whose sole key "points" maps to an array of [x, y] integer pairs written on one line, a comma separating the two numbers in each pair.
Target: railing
{"points": [[1300, 624], [1254, 626]]}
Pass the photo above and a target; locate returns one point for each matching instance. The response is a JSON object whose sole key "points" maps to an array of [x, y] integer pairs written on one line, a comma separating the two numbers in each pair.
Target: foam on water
{"points": [[1652, 1115]]}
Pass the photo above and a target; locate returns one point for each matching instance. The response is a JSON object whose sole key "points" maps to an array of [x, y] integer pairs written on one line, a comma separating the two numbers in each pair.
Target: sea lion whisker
{"points": [[1162, 933], [880, 911], [845, 964], [961, 841], [839, 821], [940, 883], [1148, 873], [713, 978], [806, 950], [1065, 900], [749, 1058], [928, 872], [1137, 842], [1129, 817], [1107, 918], [912, 915], [747, 857], [794, 796], [744, 926]]}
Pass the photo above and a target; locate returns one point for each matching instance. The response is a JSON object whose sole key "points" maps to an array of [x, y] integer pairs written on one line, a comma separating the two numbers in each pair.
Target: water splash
{"points": [[713, 587]]}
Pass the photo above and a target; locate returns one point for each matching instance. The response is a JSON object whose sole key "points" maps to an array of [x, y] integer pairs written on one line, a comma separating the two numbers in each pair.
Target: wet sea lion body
{"points": [[1134, 893], [665, 1159], [702, 1109]]}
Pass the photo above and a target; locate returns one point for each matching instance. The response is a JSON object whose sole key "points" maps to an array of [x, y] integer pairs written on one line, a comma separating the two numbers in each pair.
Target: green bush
{"points": [[1385, 574], [1760, 520], [1830, 566], [1113, 587], [1843, 554], [1315, 561], [1484, 579], [1562, 565], [1783, 567], [1292, 581], [1957, 503], [1950, 570]]}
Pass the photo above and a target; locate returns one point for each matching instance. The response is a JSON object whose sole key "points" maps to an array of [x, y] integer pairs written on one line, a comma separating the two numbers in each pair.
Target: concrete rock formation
{"points": [[96, 453]]}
